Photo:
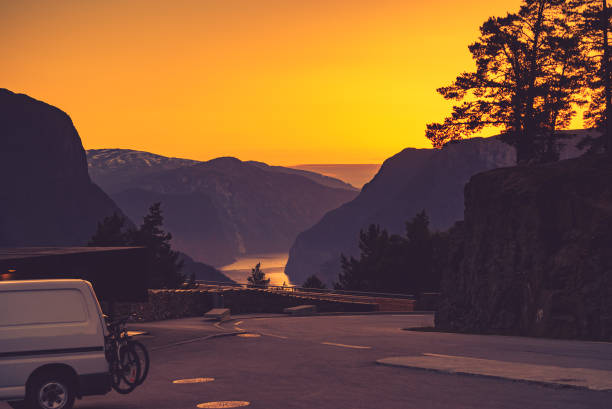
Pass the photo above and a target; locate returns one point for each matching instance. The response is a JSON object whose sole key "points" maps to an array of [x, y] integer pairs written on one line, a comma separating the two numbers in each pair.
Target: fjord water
{"points": [[273, 264]]}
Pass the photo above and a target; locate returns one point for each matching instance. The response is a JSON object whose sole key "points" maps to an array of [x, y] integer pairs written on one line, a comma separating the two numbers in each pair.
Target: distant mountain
{"points": [[202, 271], [220, 209], [321, 179], [116, 169], [47, 197], [412, 180], [355, 174]]}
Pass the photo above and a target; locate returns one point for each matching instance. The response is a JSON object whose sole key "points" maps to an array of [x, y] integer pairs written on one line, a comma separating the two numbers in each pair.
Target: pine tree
{"points": [[528, 73], [258, 278], [420, 274], [164, 265], [313, 282], [379, 263], [593, 23], [390, 263], [111, 232]]}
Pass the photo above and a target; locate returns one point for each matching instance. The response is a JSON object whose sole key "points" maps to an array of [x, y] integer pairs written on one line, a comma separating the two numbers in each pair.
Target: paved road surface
{"points": [[330, 362]]}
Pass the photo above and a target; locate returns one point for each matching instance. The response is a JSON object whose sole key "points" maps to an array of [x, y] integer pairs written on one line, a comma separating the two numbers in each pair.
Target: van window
{"points": [[41, 307]]}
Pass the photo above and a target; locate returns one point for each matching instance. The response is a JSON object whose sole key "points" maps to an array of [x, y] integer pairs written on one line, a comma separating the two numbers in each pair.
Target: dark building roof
{"points": [[116, 273], [17, 253]]}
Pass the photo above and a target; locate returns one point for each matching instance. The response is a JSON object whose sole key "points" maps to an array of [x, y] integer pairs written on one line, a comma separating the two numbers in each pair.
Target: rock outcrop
{"points": [[219, 209], [533, 255], [46, 196]]}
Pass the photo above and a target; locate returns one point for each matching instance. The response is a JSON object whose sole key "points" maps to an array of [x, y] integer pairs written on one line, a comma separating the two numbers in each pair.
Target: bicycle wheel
{"points": [[126, 372], [143, 356]]}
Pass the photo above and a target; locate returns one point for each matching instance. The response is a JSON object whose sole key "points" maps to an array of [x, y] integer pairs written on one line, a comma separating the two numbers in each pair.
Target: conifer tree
{"points": [[164, 264], [422, 255], [380, 263], [313, 282], [528, 74], [395, 264], [111, 232], [258, 278], [593, 24]]}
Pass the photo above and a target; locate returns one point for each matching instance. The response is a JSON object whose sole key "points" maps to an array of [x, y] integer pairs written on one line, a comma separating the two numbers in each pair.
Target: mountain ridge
{"points": [[355, 174], [220, 209], [103, 162]]}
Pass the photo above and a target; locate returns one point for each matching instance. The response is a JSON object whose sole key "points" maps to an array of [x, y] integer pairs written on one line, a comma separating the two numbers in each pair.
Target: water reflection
{"points": [[273, 264]]}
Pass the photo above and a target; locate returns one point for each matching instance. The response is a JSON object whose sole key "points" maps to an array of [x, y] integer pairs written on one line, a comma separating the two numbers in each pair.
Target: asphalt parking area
{"points": [[330, 362]]}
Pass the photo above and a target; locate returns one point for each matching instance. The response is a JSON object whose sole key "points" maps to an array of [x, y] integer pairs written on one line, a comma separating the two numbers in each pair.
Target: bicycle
{"points": [[128, 359]]}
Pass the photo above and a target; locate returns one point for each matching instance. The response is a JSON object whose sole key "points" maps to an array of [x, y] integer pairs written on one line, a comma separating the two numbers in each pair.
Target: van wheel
{"points": [[51, 391]]}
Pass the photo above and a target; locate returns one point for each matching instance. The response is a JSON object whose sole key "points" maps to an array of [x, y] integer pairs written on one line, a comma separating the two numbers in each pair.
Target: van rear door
{"points": [[52, 323]]}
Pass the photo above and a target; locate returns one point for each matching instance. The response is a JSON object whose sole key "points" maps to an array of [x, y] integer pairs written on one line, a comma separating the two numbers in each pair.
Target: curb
{"points": [[378, 313], [526, 381], [331, 314]]}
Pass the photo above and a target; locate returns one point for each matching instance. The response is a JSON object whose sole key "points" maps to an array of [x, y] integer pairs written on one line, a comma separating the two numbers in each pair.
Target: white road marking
{"points": [[136, 333], [346, 346], [249, 335], [193, 380], [224, 404], [273, 335]]}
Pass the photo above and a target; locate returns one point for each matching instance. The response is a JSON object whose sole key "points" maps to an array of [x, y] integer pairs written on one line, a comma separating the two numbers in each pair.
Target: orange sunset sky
{"points": [[285, 82]]}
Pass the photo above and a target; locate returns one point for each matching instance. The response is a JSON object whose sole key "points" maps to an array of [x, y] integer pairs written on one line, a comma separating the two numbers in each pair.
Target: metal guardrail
{"points": [[294, 288]]}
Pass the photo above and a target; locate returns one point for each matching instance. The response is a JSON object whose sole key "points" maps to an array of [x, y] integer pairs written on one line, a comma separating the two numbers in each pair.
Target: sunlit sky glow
{"points": [[284, 81]]}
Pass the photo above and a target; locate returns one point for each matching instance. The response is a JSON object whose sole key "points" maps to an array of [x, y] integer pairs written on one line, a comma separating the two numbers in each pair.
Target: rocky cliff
{"points": [[47, 197], [533, 255], [412, 180], [220, 209]]}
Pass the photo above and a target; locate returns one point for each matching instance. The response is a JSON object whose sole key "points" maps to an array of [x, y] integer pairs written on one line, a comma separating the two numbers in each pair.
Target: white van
{"points": [[51, 343]]}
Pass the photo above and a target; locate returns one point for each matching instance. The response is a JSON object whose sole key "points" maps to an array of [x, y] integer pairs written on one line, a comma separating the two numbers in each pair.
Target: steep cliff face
{"points": [[412, 180], [533, 256], [223, 208], [46, 196]]}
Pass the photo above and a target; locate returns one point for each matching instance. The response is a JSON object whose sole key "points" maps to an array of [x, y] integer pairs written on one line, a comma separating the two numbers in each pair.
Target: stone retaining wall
{"points": [[171, 304], [167, 304]]}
